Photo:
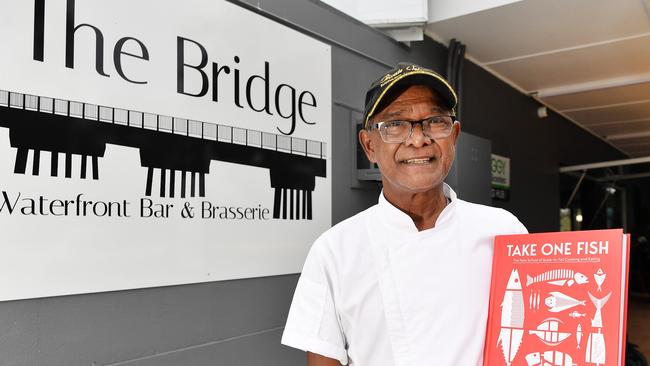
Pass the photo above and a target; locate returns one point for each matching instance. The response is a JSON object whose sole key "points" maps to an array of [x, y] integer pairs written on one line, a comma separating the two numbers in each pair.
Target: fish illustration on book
{"points": [[599, 277], [558, 277], [579, 335], [512, 318], [549, 358], [596, 351], [597, 321], [558, 301], [533, 301], [548, 332], [574, 314]]}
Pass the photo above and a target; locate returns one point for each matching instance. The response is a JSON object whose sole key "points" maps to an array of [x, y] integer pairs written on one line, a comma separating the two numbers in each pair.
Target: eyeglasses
{"points": [[398, 131]]}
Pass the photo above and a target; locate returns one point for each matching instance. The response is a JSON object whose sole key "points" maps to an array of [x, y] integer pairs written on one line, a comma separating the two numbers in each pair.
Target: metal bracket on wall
{"points": [[575, 189], [609, 179], [571, 170], [605, 164]]}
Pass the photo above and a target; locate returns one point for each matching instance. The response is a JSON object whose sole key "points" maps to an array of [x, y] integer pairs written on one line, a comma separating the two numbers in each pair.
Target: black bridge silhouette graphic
{"points": [[168, 144]]}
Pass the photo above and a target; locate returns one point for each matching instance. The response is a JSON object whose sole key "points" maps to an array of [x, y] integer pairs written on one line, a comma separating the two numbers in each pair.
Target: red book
{"points": [[558, 299]]}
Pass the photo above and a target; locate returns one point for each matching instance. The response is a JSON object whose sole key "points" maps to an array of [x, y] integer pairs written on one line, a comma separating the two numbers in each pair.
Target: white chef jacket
{"points": [[375, 291]]}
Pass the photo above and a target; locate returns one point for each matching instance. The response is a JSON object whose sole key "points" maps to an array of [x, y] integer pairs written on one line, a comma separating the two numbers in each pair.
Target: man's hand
{"points": [[314, 359]]}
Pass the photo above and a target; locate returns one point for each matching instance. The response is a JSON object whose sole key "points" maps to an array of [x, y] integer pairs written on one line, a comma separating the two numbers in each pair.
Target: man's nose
{"points": [[417, 138]]}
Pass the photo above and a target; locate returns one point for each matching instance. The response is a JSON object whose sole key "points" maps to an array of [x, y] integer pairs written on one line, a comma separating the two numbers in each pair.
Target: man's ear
{"points": [[366, 141], [455, 131]]}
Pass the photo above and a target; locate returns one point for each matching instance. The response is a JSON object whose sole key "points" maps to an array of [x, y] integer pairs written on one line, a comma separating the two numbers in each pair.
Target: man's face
{"points": [[420, 163]]}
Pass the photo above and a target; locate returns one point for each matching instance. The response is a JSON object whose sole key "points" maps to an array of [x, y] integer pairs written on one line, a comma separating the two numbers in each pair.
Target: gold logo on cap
{"points": [[390, 77]]}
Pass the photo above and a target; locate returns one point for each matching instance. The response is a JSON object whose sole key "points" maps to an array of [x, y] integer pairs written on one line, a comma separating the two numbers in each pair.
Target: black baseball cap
{"points": [[406, 74]]}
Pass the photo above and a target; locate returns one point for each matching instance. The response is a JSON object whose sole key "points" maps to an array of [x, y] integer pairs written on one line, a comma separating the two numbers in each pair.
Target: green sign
{"points": [[500, 172]]}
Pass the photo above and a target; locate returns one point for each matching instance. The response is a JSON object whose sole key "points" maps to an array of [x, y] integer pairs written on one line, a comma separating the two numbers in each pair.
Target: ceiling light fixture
{"points": [[593, 85], [625, 136]]}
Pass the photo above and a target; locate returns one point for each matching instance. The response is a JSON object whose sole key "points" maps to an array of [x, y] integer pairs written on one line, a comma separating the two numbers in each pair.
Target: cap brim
{"points": [[417, 77]]}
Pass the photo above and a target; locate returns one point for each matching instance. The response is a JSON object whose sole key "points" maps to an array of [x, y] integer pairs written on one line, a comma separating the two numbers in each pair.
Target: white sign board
{"points": [[155, 143]]}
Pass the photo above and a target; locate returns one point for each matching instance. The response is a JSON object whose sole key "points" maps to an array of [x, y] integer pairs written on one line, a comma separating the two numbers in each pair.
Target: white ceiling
{"points": [[587, 59]]}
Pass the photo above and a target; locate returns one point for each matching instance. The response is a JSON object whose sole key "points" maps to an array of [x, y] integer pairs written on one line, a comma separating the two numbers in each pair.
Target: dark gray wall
{"points": [[240, 322], [536, 146], [224, 323]]}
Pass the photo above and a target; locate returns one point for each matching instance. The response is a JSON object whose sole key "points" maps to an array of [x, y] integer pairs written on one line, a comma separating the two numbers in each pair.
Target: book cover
{"points": [[558, 299]]}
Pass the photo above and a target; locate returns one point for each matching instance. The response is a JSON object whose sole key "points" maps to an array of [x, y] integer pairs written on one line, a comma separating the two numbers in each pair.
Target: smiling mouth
{"points": [[417, 161]]}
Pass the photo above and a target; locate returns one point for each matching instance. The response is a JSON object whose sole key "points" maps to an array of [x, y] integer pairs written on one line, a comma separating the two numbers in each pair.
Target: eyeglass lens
{"points": [[399, 131]]}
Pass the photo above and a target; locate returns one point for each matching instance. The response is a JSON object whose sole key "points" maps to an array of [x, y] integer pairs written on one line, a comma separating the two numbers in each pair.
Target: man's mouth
{"points": [[417, 161]]}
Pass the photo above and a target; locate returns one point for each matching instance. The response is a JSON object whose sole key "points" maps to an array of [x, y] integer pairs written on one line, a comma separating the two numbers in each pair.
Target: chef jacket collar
{"points": [[394, 218]]}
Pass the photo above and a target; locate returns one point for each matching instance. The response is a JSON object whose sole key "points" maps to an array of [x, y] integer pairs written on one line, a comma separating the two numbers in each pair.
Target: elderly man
{"points": [[405, 282]]}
